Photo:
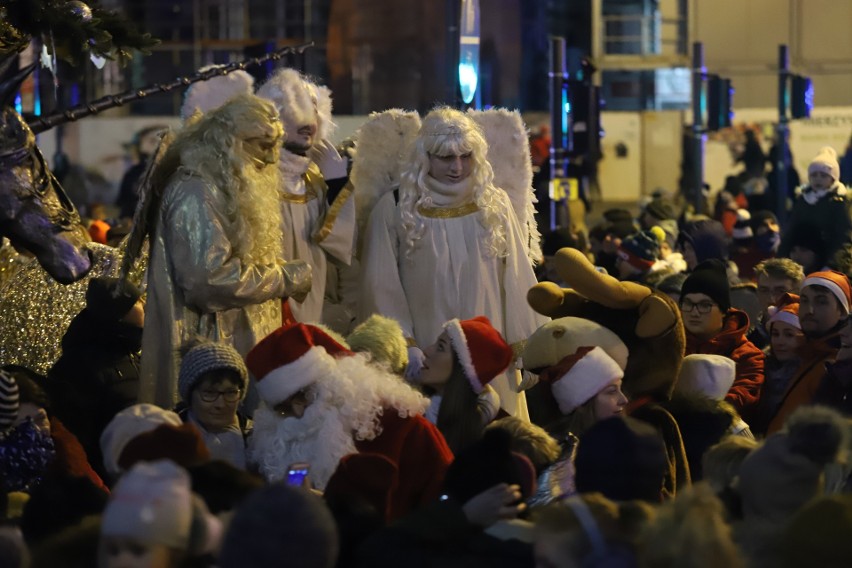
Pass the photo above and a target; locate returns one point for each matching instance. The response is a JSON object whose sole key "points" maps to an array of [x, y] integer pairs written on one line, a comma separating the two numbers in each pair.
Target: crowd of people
{"points": [[302, 380]]}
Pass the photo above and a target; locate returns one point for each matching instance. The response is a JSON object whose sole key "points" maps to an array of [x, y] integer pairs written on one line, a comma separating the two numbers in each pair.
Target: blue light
{"points": [[468, 80], [19, 104], [566, 104]]}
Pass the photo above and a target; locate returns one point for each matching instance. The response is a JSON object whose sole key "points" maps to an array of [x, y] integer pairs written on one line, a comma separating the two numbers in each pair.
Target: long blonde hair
{"points": [[445, 132], [213, 147]]}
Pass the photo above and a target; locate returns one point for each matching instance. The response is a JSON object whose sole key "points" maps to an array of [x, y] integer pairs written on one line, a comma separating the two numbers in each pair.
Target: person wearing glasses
{"points": [[212, 383], [713, 327]]}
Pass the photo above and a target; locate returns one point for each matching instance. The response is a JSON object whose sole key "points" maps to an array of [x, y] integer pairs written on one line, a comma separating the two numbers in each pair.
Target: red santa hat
{"points": [[577, 378], [290, 359], [787, 311], [836, 282], [481, 349]]}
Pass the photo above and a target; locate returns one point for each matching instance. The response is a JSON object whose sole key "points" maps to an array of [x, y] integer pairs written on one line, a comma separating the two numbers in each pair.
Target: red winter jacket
{"points": [[731, 342]]}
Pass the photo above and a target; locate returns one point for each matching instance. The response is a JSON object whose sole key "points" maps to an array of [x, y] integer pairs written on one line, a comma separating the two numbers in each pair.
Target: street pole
{"points": [[698, 106], [782, 135], [561, 131]]}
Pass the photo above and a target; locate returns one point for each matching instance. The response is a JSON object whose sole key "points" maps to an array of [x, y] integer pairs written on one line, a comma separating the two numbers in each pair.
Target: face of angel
{"points": [[452, 168]]}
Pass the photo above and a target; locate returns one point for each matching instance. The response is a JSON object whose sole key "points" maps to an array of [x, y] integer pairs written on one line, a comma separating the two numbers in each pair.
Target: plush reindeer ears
{"points": [[585, 281], [656, 316]]}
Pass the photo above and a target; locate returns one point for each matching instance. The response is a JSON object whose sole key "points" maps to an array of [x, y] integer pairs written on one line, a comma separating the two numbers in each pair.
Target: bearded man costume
{"points": [[440, 250], [216, 267], [321, 402], [317, 209]]}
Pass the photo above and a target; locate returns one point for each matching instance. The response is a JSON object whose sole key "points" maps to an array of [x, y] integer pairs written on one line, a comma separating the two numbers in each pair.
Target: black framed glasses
{"points": [[704, 307], [228, 395]]}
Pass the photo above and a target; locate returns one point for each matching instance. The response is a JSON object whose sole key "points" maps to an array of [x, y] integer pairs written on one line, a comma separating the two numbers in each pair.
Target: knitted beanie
{"points": [[128, 424], [826, 162], [9, 401], [152, 504], [106, 302], [622, 458], [762, 217], [708, 375], [819, 534], [641, 250], [707, 237], [710, 278], [205, 356], [276, 522], [181, 444], [786, 472], [619, 222], [660, 209], [742, 227]]}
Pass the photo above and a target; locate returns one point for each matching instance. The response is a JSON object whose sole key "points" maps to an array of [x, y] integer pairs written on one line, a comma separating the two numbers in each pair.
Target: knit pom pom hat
{"points": [[826, 162]]}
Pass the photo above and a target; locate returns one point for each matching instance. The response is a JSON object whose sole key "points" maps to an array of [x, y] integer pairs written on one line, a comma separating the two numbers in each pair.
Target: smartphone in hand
{"points": [[297, 473]]}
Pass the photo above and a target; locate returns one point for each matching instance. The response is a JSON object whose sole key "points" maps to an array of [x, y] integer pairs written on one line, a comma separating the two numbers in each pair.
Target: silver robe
{"points": [[197, 286]]}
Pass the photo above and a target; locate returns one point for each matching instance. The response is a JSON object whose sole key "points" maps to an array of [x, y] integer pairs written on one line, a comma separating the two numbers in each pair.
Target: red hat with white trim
{"points": [[481, 349], [577, 378], [787, 311], [836, 282], [291, 358]]}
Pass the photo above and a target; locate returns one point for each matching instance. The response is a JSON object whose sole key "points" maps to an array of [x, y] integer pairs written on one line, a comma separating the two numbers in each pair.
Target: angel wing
{"points": [[509, 155], [381, 146]]}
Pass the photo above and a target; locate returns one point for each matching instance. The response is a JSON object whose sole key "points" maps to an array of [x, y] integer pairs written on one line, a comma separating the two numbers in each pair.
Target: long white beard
{"points": [[318, 438]]}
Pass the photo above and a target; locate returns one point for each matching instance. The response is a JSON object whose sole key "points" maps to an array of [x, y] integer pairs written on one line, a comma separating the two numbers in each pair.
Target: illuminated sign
{"points": [[469, 50]]}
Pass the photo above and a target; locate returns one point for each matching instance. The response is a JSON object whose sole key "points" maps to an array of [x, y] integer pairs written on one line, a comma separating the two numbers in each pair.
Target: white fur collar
{"points": [[450, 194], [293, 167]]}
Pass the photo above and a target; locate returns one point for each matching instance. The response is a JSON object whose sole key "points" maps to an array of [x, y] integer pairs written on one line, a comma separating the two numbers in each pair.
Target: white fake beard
{"points": [[318, 438]]}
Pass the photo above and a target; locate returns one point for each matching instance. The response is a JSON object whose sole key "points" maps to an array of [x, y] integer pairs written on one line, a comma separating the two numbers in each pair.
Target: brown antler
{"points": [[576, 270], [111, 101]]}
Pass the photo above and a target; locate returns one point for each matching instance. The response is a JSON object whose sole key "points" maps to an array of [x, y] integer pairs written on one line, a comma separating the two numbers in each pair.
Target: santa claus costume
{"points": [[344, 406]]}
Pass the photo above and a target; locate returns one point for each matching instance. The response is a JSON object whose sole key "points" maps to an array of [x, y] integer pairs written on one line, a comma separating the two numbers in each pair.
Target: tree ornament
{"points": [[79, 9]]}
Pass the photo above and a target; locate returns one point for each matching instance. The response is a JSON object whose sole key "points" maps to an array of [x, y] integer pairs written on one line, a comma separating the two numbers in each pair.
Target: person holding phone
{"points": [[321, 402]]}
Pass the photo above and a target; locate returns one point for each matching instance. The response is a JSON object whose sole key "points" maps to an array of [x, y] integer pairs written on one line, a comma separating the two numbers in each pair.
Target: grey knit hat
{"points": [[203, 356], [9, 402]]}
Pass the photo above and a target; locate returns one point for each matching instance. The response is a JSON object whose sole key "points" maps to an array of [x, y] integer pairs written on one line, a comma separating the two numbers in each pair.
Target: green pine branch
{"points": [[106, 34]]}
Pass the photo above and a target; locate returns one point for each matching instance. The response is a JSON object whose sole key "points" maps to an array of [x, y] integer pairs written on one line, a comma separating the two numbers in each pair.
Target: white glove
{"points": [[331, 164], [415, 363], [528, 380]]}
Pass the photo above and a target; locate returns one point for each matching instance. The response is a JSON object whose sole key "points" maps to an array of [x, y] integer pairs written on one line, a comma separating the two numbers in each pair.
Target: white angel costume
{"points": [[318, 218], [452, 271]]}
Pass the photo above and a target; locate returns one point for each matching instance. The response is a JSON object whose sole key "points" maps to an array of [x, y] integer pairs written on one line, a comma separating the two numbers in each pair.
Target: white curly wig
{"points": [[446, 131], [208, 95], [298, 98]]}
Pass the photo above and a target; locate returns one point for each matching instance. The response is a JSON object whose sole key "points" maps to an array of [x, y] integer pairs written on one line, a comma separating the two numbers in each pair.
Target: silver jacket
{"points": [[196, 286]]}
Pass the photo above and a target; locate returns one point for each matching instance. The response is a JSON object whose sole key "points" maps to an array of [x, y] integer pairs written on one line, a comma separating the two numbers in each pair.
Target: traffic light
{"points": [[585, 103], [720, 96], [801, 97]]}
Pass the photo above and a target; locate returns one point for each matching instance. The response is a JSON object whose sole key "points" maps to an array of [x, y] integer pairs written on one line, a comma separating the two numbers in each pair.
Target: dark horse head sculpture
{"points": [[35, 212]]}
